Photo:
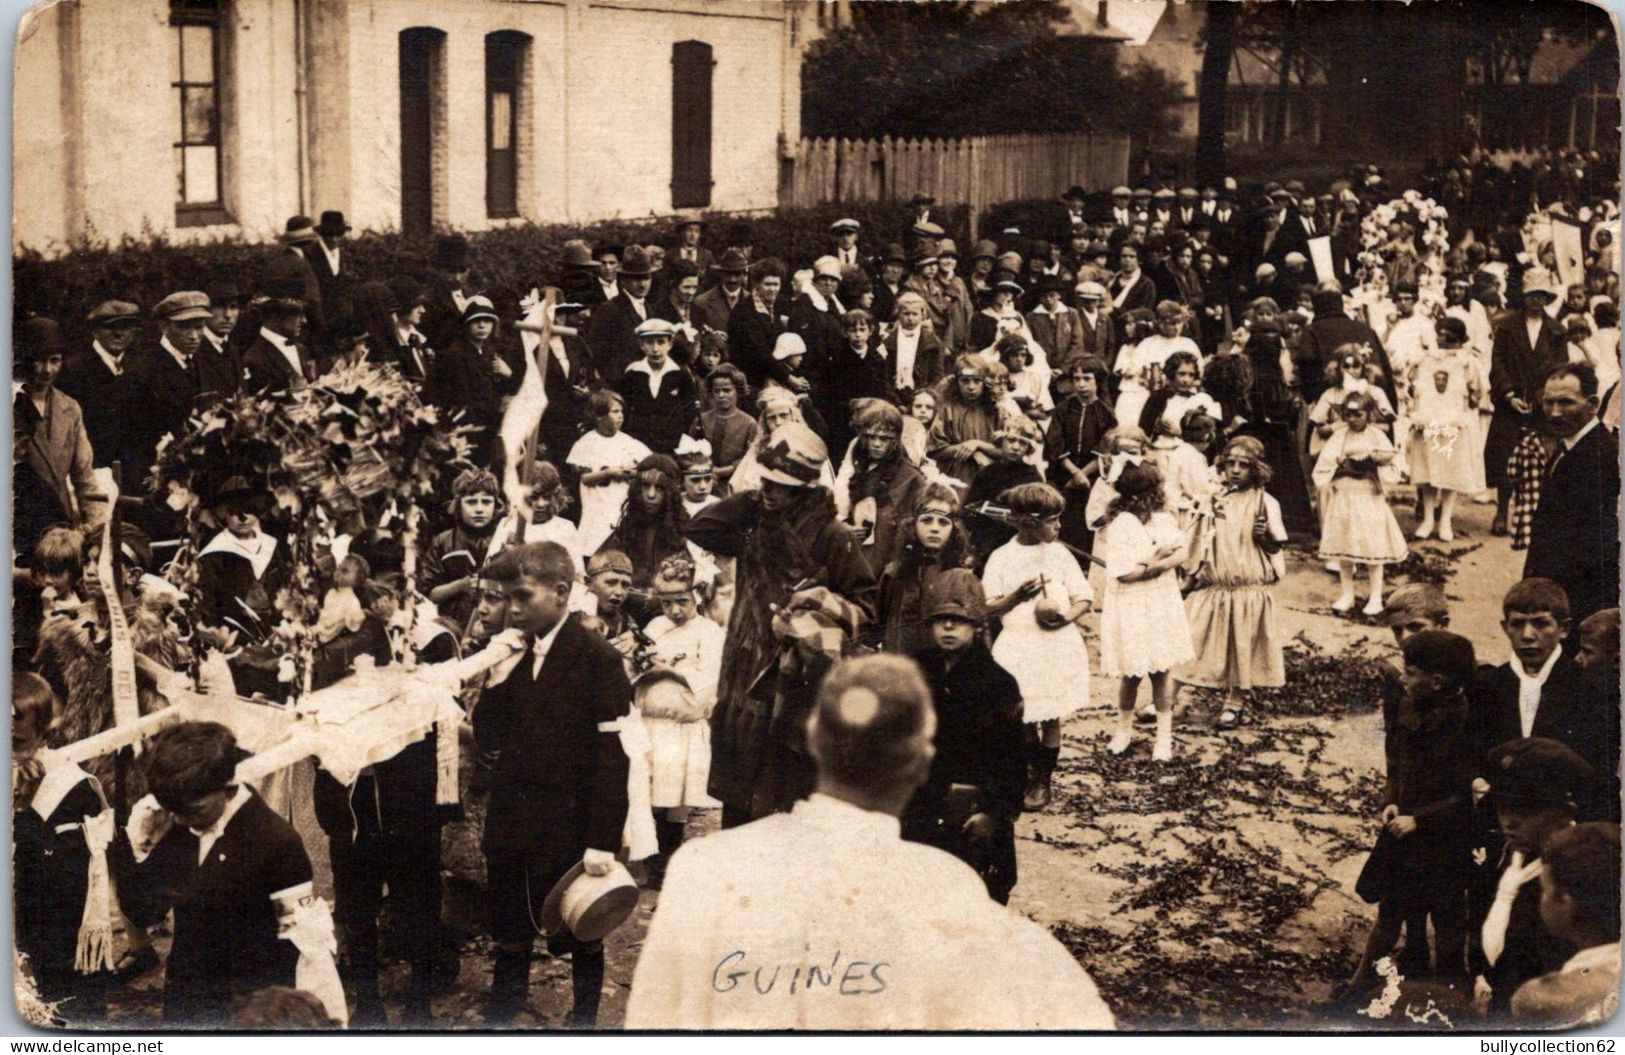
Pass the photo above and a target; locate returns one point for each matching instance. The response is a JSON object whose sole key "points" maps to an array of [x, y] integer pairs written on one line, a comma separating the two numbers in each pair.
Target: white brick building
{"points": [[200, 119]]}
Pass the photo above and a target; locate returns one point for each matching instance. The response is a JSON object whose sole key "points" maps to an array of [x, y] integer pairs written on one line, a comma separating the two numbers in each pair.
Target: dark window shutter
{"points": [[691, 66]]}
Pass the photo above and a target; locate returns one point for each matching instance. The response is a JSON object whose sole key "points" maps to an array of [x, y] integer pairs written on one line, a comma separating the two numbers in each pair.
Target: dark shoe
{"points": [[1038, 794], [133, 965], [510, 985], [1498, 527], [368, 1013]]}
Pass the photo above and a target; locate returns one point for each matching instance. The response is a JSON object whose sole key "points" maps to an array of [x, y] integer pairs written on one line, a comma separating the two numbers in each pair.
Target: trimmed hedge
{"points": [[1038, 219], [508, 261]]}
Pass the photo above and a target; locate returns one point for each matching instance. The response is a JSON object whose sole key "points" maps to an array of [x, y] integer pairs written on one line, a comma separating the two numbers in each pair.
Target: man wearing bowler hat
{"points": [[448, 292], [102, 380], [1534, 787], [559, 787], [296, 239], [612, 331], [870, 931], [1075, 198], [325, 256]]}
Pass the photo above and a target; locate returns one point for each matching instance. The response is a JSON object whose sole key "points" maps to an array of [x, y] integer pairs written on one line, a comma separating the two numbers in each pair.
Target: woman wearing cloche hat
{"points": [[796, 564]]}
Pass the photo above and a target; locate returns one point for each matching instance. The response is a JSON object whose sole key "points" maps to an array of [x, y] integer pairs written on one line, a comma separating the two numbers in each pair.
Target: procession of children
{"points": [[969, 471]]}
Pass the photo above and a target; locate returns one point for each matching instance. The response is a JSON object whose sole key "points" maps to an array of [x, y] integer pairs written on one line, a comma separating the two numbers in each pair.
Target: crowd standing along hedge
{"points": [[508, 261]]}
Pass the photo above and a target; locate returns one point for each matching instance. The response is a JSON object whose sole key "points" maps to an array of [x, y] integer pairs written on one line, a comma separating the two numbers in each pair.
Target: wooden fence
{"points": [[978, 171]]}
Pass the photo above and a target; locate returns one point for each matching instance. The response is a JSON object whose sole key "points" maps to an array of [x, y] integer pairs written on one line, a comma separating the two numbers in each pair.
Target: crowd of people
{"points": [[750, 471]]}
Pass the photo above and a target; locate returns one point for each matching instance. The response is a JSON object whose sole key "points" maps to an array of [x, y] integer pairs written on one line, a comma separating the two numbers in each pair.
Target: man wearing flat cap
{"points": [[1534, 787], [843, 238], [871, 931], [1121, 215], [169, 375], [102, 380]]}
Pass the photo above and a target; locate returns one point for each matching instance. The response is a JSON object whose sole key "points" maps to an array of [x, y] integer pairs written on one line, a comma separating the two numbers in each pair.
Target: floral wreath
{"points": [[1429, 217], [355, 451]]}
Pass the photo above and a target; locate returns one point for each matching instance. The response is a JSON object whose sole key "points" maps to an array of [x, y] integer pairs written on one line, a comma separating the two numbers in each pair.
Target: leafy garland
{"points": [[356, 452]]}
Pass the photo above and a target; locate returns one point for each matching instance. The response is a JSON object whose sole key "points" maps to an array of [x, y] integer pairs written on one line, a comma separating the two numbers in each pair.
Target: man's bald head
{"points": [[872, 727]]}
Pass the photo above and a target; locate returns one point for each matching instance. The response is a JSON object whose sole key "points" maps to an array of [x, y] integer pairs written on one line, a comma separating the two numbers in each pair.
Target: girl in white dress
{"points": [[1445, 447], [606, 459], [676, 715], [1142, 369], [1035, 584], [1143, 630], [1357, 527]]}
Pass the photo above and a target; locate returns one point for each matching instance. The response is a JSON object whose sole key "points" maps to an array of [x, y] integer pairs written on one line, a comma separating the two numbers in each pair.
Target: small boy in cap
{"points": [[1419, 867], [1534, 787], [1579, 903], [661, 397], [969, 803]]}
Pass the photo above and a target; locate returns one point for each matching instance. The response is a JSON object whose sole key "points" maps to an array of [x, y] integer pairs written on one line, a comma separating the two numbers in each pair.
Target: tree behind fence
{"points": [[976, 171]]}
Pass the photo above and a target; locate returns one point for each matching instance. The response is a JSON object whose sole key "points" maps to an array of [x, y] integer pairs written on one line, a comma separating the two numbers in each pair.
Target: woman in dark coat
{"points": [[475, 372], [1272, 412], [755, 325], [790, 548], [568, 378]]}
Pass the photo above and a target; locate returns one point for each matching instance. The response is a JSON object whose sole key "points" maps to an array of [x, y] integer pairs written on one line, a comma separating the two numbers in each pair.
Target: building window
{"points": [[195, 79], [505, 62], [691, 66]]}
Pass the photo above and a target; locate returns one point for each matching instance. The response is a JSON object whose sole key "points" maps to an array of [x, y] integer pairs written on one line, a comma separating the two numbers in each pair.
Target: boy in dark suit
{"points": [[1542, 691], [558, 791], [969, 804], [233, 871], [1534, 785]]}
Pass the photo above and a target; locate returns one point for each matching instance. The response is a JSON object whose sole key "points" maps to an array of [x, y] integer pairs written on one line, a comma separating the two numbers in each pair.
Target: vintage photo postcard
{"points": [[1048, 515]]}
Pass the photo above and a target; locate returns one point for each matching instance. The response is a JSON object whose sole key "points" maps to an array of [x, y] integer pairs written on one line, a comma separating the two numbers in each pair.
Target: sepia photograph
{"points": [[815, 515]]}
